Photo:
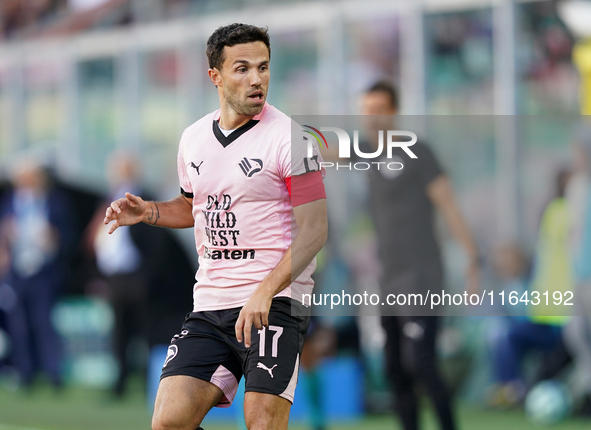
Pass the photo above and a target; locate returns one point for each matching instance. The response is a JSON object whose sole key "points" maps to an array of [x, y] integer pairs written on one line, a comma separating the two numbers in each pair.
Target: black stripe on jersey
{"points": [[244, 170], [226, 140], [186, 194]]}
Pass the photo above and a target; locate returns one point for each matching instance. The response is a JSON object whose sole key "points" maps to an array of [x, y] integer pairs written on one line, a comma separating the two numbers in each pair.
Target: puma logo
{"points": [[193, 165], [262, 366]]}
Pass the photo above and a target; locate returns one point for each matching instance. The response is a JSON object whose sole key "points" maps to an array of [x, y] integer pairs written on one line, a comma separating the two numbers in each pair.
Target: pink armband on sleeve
{"points": [[305, 188]]}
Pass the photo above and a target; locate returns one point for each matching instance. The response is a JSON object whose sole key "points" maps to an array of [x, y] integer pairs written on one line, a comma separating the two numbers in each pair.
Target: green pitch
{"points": [[84, 409]]}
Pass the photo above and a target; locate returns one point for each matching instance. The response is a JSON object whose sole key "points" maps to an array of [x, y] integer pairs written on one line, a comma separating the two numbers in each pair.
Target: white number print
{"points": [[262, 336]]}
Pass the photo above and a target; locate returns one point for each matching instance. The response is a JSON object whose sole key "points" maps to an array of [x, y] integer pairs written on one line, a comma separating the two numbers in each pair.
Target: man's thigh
{"points": [[183, 401], [266, 411]]}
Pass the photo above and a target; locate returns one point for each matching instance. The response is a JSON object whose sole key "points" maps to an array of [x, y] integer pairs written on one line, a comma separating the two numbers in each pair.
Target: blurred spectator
{"points": [[40, 18], [142, 267], [22, 17], [36, 224], [512, 269], [35, 18], [120, 260], [512, 273], [542, 330], [96, 14]]}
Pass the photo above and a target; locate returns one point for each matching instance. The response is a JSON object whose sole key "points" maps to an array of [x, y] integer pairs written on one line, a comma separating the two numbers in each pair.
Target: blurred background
{"points": [[94, 95]]}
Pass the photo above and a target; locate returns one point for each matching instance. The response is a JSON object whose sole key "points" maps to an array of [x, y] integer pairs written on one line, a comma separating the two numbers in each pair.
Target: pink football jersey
{"points": [[241, 205]]}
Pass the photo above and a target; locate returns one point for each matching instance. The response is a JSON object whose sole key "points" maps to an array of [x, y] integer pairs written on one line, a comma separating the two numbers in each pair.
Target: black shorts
{"points": [[207, 349]]}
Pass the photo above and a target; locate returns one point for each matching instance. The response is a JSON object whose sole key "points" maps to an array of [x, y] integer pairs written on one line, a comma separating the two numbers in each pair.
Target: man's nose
{"points": [[255, 78]]}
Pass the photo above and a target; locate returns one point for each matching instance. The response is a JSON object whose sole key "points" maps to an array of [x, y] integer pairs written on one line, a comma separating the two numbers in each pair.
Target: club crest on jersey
{"points": [[250, 167], [170, 354]]}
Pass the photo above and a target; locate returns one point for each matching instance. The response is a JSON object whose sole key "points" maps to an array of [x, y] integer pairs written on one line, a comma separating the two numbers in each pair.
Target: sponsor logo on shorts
{"points": [[262, 366], [170, 354]]}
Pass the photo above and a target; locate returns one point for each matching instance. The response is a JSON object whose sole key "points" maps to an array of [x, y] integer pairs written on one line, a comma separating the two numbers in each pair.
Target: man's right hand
{"points": [[126, 211]]}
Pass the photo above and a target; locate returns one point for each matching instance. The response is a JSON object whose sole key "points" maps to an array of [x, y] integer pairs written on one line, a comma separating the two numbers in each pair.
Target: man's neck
{"points": [[230, 120]]}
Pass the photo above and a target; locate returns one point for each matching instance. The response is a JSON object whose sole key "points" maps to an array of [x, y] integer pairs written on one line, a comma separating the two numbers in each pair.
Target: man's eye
{"points": [[263, 68], [241, 69]]}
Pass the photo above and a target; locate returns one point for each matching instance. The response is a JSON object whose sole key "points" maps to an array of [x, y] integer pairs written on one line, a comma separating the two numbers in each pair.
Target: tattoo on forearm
{"points": [[154, 217]]}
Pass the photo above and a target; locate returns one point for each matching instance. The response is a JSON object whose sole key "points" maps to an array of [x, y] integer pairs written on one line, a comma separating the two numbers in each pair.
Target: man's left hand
{"points": [[255, 311]]}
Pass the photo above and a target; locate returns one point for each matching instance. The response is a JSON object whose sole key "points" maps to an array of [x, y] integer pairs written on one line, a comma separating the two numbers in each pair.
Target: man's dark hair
{"points": [[385, 87], [230, 35]]}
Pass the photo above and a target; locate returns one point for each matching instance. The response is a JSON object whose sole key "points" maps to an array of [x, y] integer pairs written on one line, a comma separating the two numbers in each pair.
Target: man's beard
{"points": [[240, 107]]}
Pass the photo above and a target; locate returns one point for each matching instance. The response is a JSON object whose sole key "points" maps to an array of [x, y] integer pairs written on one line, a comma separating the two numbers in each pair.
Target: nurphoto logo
{"points": [[344, 146]]}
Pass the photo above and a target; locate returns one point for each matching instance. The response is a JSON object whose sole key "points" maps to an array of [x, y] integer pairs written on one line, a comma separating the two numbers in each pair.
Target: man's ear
{"points": [[216, 76]]}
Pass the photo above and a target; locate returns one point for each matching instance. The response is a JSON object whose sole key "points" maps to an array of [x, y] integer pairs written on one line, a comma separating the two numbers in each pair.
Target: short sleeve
{"points": [[185, 182], [428, 166], [299, 154]]}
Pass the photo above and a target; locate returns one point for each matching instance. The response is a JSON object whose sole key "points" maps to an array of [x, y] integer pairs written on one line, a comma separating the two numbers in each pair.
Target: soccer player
{"points": [[402, 204], [258, 210]]}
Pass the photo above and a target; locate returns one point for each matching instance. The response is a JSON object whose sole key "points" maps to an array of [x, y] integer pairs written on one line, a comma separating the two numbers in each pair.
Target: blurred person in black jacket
{"points": [[403, 205], [137, 264], [123, 264]]}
